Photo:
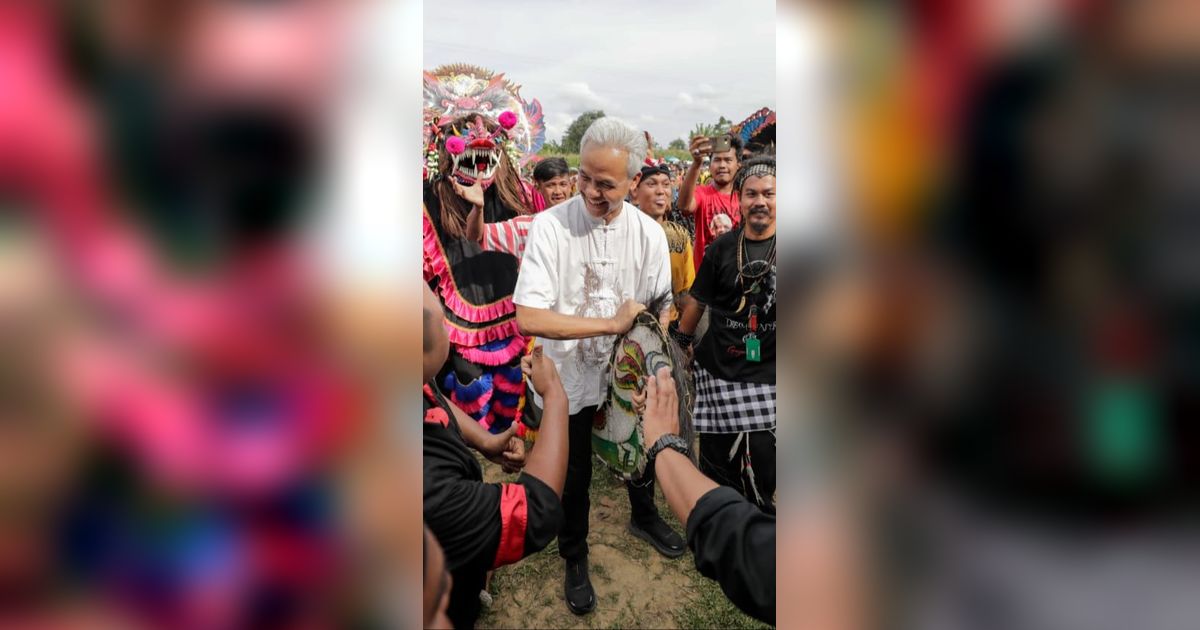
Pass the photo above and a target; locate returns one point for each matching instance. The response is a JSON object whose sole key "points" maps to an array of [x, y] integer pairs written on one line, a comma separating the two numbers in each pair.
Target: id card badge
{"points": [[753, 350]]}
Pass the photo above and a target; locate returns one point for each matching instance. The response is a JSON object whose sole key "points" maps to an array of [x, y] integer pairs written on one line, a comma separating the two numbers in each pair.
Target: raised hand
{"points": [[541, 371], [661, 416], [472, 194]]}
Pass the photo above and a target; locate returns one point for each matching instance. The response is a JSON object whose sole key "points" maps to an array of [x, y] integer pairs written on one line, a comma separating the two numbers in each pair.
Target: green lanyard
{"points": [[1123, 432], [753, 345]]}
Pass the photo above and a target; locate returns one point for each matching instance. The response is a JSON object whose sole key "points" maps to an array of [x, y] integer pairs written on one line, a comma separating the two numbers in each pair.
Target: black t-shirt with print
{"points": [[722, 351]]}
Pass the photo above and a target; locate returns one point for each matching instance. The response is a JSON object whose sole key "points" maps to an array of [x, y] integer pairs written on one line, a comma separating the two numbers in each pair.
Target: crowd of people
{"points": [[534, 282]]}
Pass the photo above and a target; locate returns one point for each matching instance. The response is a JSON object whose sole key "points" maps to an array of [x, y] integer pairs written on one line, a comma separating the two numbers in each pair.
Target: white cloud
{"points": [[556, 125], [657, 68], [578, 97], [692, 105]]}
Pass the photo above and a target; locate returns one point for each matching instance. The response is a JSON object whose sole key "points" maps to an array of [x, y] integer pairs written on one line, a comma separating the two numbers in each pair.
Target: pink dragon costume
{"points": [[477, 129]]}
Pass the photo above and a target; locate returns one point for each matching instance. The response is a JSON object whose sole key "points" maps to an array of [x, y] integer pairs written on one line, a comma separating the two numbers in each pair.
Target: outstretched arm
{"points": [[692, 311], [547, 324], [503, 448], [732, 541], [681, 482], [701, 146], [475, 227], [548, 461]]}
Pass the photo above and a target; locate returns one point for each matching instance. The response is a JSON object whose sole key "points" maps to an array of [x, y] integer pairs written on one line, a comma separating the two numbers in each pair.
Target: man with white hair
{"points": [[590, 265]]}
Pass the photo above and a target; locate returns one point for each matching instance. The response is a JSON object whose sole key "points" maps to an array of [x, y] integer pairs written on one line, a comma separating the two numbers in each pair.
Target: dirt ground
{"points": [[636, 587]]}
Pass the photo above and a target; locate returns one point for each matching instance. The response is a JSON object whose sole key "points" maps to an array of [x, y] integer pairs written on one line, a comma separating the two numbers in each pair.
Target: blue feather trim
{"points": [[508, 400], [471, 391]]}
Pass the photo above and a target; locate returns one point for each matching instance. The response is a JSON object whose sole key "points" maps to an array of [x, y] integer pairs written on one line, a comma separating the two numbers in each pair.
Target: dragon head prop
{"points": [[456, 92], [471, 149]]}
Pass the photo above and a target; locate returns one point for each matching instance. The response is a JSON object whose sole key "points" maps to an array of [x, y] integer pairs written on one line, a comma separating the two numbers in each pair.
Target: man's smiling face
{"points": [[604, 179]]}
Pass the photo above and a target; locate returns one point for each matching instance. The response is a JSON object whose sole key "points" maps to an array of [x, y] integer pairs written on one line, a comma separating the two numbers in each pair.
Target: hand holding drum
{"points": [[625, 316], [661, 416]]}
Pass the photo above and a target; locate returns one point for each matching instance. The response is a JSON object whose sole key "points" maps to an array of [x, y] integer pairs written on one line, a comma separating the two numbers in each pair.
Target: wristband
{"points": [[683, 339]]}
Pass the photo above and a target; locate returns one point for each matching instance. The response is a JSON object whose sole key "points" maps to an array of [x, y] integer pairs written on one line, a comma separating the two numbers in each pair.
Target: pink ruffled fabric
{"points": [[502, 411], [471, 312], [508, 387], [435, 265], [495, 357], [470, 338]]}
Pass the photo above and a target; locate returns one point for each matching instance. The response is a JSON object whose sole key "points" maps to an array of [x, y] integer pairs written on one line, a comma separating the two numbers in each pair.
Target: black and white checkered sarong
{"points": [[730, 407]]}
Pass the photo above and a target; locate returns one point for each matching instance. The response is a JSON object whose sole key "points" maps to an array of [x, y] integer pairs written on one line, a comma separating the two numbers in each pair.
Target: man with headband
{"points": [[735, 360], [590, 265]]}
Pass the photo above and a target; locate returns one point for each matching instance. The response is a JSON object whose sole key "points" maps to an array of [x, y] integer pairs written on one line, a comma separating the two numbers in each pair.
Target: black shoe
{"points": [[660, 536], [577, 587]]}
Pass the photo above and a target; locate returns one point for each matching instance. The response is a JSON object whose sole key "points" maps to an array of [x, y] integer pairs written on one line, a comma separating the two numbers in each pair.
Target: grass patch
{"points": [[711, 609], [529, 593]]}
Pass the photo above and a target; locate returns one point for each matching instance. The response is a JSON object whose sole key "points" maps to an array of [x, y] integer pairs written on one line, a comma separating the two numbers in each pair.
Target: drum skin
{"points": [[617, 437]]}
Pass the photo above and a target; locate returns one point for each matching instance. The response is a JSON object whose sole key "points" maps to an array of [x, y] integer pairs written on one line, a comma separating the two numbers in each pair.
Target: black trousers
{"points": [[576, 500], [716, 464]]}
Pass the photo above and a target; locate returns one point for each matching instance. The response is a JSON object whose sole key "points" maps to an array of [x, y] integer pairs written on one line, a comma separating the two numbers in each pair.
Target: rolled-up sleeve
{"points": [[538, 278]]}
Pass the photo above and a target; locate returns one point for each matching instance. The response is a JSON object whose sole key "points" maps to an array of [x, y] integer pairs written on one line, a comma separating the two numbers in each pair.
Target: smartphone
{"points": [[721, 144]]}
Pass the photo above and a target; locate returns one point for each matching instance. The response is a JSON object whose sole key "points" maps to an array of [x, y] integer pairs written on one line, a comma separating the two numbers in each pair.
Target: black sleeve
{"points": [[488, 524], [704, 287], [464, 515], [733, 543], [545, 514]]}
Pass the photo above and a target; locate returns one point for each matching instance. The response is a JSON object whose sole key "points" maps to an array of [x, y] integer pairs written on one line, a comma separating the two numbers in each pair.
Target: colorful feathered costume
{"points": [[483, 373], [477, 128]]}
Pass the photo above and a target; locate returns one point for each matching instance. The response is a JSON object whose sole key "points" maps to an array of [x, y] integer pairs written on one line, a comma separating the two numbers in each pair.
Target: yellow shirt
{"points": [[683, 272]]}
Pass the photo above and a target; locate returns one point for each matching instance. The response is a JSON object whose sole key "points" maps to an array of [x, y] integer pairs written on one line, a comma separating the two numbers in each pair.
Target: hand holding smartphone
{"points": [[721, 144]]}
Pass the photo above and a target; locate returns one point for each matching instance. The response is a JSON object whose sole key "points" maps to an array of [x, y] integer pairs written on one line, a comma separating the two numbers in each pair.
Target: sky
{"points": [[661, 65]]}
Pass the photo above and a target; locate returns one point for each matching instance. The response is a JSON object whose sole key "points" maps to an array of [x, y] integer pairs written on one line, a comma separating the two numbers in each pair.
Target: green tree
{"points": [[571, 139], [703, 129], [677, 145], [722, 126]]}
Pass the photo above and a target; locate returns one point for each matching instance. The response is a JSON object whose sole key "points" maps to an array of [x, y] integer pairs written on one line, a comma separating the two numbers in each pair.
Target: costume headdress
{"points": [[456, 91], [758, 127]]}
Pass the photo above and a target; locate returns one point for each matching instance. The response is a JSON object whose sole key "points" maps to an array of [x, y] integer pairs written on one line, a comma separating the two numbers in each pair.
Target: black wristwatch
{"points": [[671, 441]]}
